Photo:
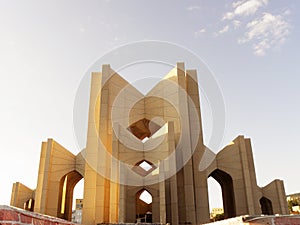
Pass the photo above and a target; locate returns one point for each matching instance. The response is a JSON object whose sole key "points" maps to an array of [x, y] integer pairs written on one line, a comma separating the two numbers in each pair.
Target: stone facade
{"points": [[153, 143]]}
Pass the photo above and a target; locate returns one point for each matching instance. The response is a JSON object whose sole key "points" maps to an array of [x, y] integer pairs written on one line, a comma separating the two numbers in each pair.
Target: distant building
{"points": [[77, 213], [216, 211], [296, 209], [79, 204], [293, 197], [294, 203]]}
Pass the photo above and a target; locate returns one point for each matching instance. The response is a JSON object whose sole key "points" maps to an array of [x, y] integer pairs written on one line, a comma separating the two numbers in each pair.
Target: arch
{"points": [[65, 196], [226, 183], [215, 199], [266, 206], [29, 205], [143, 207]]}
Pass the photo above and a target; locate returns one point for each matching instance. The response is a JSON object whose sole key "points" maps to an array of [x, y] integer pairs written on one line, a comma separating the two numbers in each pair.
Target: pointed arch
{"points": [[266, 206], [29, 205], [66, 188], [225, 180], [143, 206]]}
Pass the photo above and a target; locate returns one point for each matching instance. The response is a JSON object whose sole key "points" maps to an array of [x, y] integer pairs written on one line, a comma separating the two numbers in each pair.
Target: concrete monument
{"points": [[147, 145]]}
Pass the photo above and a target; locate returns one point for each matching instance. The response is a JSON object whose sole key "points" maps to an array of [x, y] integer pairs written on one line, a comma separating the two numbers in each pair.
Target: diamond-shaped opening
{"points": [[143, 129], [146, 197], [144, 167]]}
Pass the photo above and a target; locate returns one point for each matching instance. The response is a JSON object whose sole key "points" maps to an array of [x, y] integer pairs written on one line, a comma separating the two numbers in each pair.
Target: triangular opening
{"points": [[145, 75], [145, 85]]}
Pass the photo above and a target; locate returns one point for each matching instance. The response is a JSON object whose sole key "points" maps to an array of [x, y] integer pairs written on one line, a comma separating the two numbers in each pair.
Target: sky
{"points": [[251, 47]]}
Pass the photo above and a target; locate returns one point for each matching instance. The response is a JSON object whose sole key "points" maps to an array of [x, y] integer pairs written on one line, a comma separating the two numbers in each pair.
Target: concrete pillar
{"points": [[162, 202], [247, 177], [186, 147], [173, 179], [90, 176]]}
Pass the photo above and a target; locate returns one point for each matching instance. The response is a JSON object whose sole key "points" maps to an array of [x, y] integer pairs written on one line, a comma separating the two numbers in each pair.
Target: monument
{"points": [[147, 145]]}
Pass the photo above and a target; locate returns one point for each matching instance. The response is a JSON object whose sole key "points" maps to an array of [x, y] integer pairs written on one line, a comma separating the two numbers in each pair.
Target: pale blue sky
{"points": [[251, 46]]}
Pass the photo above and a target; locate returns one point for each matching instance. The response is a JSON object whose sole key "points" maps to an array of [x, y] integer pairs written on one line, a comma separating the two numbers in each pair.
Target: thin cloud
{"points": [[249, 7], [193, 7], [236, 24], [81, 28], [200, 32], [266, 32], [253, 24], [236, 4], [228, 16], [224, 29], [287, 12], [244, 8]]}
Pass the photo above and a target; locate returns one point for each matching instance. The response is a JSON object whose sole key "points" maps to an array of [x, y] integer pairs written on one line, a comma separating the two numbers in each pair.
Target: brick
{"points": [[47, 222], [25, 219], [38, 221], [286, 220], [8, 215], [51, 222], [21, 217]]}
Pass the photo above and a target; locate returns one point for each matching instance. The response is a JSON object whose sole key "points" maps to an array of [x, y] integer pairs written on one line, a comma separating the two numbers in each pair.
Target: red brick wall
{"points": [[263, 220], [277, 220], [15, 216]]}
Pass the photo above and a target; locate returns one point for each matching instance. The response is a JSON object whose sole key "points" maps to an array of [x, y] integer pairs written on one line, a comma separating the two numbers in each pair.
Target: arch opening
{"points": [[29, 205], [144, 206], [266, 206], [226, 183], [78, 202], [215, 199], [65, 198]]}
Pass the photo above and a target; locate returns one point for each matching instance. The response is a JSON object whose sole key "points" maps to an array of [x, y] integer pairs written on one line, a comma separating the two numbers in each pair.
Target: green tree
{"points": [[291, 203], [219, 217]]}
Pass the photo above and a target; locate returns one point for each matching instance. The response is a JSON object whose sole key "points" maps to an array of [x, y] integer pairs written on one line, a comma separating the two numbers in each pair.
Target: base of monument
{"points": [[139, 223], [259, 219]]}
